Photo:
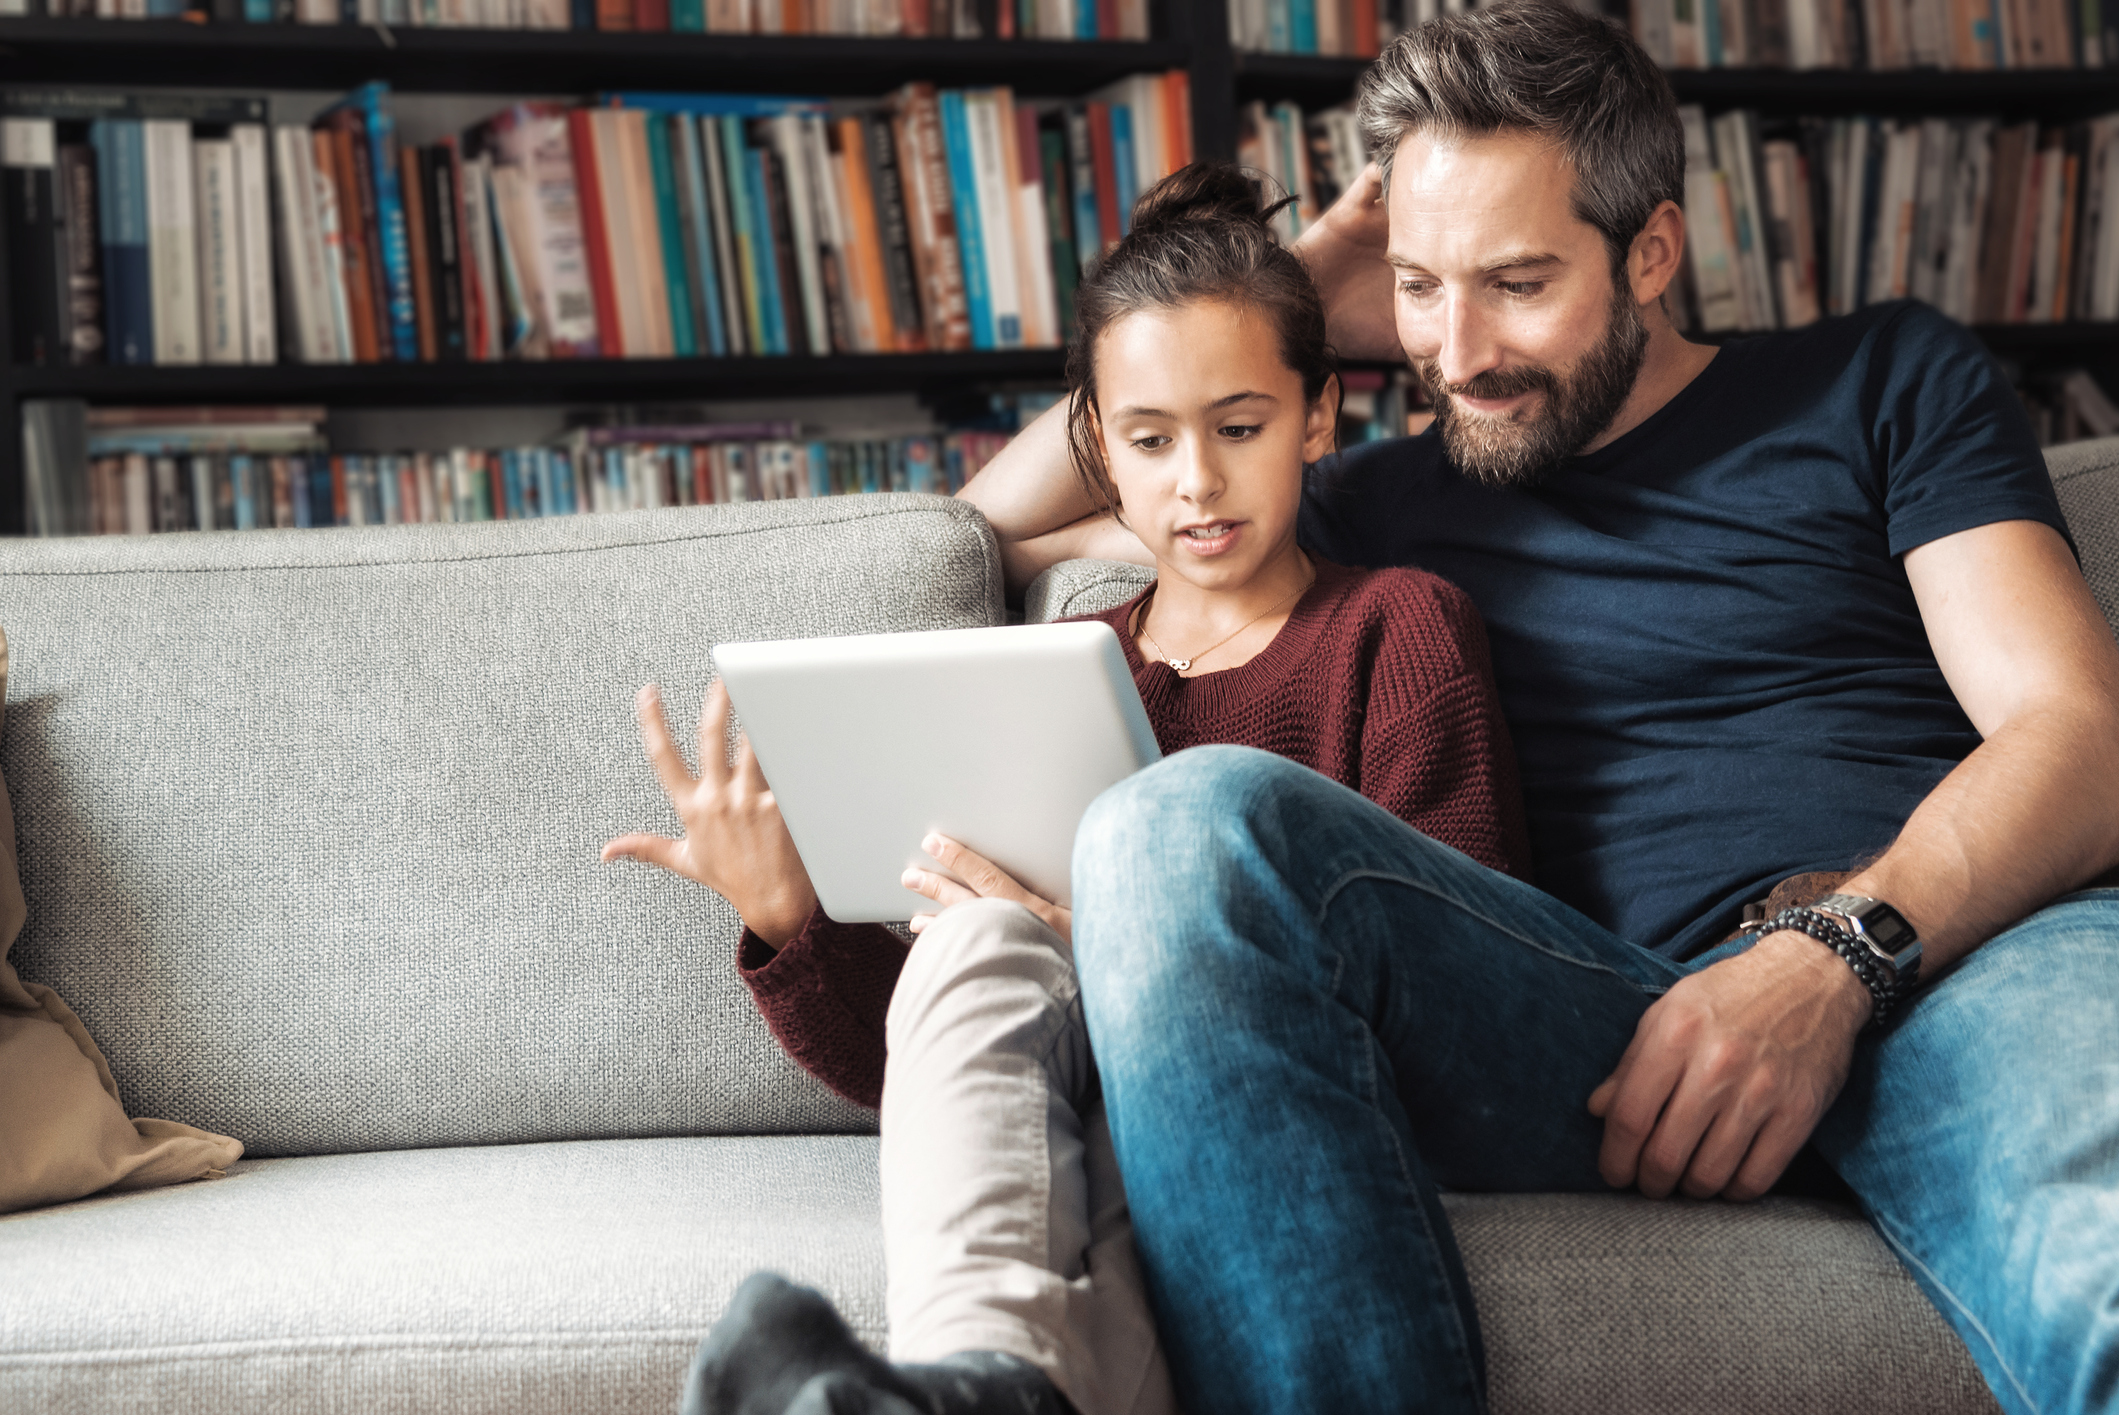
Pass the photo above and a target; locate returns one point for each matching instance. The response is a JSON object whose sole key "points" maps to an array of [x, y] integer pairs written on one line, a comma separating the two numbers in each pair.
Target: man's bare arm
{"points": [[1730, 1070], [1037, 508], [1344, 251]]}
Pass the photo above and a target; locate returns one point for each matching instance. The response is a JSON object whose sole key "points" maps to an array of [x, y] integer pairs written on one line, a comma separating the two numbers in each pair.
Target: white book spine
{"points": [[301, 248], [254, 243], [172, 241], [802, 224], [1034, 246], [220, 254], [996, 219], [316, 12]]}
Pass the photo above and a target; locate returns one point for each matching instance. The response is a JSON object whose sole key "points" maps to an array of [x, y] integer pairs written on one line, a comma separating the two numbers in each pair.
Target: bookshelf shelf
{"points": [[555, 381], [153, 52]]}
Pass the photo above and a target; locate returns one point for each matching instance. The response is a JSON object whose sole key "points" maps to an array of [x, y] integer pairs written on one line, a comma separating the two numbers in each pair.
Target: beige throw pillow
{"points": [[63, 1133]]}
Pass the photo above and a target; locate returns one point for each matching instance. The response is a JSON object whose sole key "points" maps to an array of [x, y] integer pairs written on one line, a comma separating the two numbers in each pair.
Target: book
{"points": [[254, 243], [121, 162], [222, 324], [373, 124], [36, 241], [172, 240], [893, 233], [963, 195], [930, 208]]}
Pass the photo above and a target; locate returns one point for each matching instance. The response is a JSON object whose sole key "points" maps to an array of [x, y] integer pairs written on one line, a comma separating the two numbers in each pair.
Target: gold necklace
{"points": [[1184, 665]]}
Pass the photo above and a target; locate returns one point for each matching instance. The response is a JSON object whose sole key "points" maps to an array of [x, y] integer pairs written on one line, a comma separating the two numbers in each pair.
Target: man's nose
{"points": [[1469, 344]]}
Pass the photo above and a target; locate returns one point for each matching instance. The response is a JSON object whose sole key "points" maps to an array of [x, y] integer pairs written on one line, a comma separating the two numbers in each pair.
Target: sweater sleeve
{"points": [[1435, 750], [824, 996]]}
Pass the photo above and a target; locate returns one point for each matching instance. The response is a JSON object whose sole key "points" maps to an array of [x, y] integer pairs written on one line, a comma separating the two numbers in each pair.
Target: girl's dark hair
{"points": [[1198, 234]]}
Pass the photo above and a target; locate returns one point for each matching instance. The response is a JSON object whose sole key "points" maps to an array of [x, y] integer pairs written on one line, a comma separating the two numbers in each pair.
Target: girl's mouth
{"points": [[1209, 538]]}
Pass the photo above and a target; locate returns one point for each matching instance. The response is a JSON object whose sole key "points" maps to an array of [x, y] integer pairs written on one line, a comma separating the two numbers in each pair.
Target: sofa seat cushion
{"points": [[572, 1277], [562, 1278]]}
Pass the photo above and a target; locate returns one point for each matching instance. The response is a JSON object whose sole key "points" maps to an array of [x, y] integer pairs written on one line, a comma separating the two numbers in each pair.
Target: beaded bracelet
{"points": [[1883, 988]]}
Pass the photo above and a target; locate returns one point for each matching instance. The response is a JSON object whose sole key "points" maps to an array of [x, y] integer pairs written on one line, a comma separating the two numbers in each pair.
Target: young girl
{"points": [[1202, 386]]}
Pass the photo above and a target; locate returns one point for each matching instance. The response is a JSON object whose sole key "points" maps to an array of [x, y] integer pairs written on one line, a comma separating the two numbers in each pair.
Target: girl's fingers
{"points": [[662, 753], [713, 735], [648, 849], [919, 922], [747, 773], [968, 865], [940, 889]]}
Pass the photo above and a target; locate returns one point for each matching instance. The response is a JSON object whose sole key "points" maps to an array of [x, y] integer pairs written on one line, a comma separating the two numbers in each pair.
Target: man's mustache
{"points": [[1494, 383]]}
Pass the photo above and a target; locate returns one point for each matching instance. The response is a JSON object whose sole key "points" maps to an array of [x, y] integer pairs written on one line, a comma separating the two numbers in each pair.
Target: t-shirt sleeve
{"points": [[824, 997], [1954, 445], [1435, 750]]}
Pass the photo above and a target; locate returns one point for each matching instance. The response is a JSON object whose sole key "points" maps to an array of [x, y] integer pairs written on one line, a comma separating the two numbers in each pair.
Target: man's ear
{"points": [[1652, 264], [1320, 429]]}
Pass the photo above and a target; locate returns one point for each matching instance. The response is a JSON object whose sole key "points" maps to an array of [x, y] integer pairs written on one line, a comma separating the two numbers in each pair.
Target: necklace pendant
{"points": [[1182, 665]]}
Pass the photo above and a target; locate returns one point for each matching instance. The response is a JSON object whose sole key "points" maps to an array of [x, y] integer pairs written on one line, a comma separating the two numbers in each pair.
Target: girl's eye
{"points": [[1240, 432], [1149, 443]]}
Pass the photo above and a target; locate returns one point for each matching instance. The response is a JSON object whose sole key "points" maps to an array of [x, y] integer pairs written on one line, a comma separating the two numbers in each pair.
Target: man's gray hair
{"points": [[1543, 67]]}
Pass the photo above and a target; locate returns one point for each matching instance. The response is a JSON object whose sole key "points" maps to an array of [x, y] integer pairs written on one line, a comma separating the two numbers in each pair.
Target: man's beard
{"points": [[1519, 450]]}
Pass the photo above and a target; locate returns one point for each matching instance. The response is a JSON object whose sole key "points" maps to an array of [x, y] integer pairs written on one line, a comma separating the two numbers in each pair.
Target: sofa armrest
{"points": [[1075, 587]]}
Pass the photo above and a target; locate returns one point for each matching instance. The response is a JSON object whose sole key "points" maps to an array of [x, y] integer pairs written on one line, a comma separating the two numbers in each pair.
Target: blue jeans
{"points": [[1308, 1016]]}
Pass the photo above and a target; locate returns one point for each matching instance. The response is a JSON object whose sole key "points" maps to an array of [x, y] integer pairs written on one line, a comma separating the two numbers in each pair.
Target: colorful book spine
{"points": [[381, 131], [684, 337], [128, 296], [963, 191], [735, 160]]}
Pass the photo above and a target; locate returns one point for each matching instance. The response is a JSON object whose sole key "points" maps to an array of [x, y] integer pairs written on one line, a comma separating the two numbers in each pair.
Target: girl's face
{"points": [[1205, 431]]}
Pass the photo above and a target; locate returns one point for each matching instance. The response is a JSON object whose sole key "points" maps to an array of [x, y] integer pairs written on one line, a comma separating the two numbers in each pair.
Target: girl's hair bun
{"points": [[1205, 193]]}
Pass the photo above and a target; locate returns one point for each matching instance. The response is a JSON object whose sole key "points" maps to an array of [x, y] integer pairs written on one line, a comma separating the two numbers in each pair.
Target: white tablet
{"points": [[997, 738]]}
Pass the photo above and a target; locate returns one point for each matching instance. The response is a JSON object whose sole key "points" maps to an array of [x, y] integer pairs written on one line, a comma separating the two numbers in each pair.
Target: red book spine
{"points": [[651, 15], [338, 493], [1107, 19], [1106, 171], [614, 14], [595, 241], [1363, 24]]}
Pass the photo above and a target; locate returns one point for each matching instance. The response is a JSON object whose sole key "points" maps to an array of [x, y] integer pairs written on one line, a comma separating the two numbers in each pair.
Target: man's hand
{"points": [[1344, 250], [734, 840], [1730, 1071], [987, 881]]}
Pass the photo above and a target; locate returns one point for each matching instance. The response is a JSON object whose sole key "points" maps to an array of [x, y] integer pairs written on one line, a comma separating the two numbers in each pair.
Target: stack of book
{"points": [[137, 229], [133, 471], [959, 19], [1879, 34], [647, 226], [1354, 29], [1312, 159], [1992, 223]]}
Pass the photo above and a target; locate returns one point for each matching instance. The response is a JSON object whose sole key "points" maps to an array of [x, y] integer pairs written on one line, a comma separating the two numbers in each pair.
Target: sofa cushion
{"points": [[310, 821], [2086, 476], [516, 1280], [565, 1278], [1076, 587]]}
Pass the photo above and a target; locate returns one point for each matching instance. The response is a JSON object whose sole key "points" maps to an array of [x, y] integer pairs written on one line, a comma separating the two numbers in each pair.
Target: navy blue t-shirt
{"points": [[1706, 645]]}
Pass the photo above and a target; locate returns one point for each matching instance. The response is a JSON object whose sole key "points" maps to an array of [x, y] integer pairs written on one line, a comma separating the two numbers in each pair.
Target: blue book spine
{"points": [[819, 469], [257, 12], [387, 490], [964, 194], [242, 480], [165, 9], [768, 261], [688, 16], [1085, 20], [128, 297], [684, 338], [872, 469], [581, 14], [390, 217], [298, 488], [1278, 24], [745, 274], [690, 161], [1122, 158], [1711, 38], [323, 500], [547, 481], [1302, 26], [511, 485]]}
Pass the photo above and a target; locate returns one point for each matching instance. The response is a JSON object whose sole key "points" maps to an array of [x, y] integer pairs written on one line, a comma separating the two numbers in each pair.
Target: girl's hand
{"points": [[987, 881], [734, 840]]}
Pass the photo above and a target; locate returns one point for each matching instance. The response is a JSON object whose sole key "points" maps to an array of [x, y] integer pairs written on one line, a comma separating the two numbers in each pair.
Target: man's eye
{"points": [[1415, 288], [1523, 288], [1240, 432]]}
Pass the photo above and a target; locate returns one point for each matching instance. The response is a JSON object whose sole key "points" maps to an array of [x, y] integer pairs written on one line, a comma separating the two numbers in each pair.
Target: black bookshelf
{"points": [[1188, 34]]}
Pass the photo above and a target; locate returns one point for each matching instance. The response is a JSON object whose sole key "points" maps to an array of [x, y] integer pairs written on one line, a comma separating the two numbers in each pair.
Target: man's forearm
{"points": [[2030, 815]]}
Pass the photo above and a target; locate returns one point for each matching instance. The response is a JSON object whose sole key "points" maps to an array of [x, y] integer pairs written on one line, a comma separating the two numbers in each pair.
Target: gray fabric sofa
{"points": [[308, 828]]}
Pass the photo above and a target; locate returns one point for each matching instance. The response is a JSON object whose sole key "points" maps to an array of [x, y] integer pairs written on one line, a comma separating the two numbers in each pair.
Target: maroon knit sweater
{"points": [[1379, 679]]}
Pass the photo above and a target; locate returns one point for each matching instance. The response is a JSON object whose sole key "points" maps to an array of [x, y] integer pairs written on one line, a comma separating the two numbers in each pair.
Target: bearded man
{"points": [[1801, 606]]}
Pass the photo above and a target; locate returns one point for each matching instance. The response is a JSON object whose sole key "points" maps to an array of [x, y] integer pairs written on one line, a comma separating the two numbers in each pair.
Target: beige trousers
{"points": [[1004, 1221]]}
